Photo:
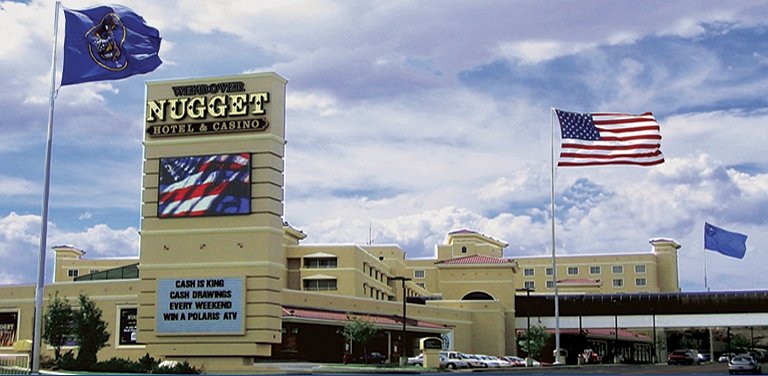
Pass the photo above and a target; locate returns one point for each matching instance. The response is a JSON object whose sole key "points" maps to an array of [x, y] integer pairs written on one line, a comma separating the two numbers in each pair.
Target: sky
{"points": [[407, 120]]}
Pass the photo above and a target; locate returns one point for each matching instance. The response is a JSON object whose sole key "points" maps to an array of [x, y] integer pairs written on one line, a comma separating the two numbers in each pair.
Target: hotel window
{"points": [[550, 284], [594, 270], [640, 269], [319, 284], [320, 263], [418, 274], [548, 271], [618, 269], [528, 272], [72, 273], [573, 270], [618, 282], [641, 282], [529, 285]]}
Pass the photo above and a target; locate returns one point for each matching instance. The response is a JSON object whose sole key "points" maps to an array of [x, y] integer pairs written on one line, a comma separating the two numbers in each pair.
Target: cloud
{"points": [[20, 245]]}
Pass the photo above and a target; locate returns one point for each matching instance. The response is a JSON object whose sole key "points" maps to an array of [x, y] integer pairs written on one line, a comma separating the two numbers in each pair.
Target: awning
{"points": [[297, 314]]}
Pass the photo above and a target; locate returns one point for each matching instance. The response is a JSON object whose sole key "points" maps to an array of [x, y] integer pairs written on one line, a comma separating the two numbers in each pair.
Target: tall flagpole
{"points": [[554, 258], [706, 286], [40, 290]]}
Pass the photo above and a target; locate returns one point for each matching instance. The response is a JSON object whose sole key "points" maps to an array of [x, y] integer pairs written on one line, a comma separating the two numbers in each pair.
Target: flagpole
{"points": [[706, 286], [40, 289], [554, 258]]}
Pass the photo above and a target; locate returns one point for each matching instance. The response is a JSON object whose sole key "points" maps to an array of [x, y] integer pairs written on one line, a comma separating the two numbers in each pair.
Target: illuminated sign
{"points": [[200, 306], [8, 328], [198, 186], [209, 108]]}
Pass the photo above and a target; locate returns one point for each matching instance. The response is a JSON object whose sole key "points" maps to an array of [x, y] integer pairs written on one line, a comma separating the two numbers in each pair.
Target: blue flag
{"points": [[107, 43], [728, 243]]}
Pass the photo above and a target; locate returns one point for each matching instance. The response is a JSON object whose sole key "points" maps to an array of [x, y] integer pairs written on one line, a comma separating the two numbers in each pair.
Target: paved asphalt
{"points": [[646, 369]]}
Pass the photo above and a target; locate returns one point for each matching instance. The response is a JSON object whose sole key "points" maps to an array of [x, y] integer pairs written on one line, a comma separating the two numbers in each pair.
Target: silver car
{"points": [[744, 363]]}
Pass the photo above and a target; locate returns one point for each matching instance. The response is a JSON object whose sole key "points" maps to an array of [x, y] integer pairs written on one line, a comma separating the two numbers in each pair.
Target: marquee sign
{"points": [[200, 306], [208, 108]]}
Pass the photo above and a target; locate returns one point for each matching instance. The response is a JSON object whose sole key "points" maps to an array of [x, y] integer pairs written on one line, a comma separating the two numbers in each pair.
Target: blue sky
{"points": [[410, 119]]}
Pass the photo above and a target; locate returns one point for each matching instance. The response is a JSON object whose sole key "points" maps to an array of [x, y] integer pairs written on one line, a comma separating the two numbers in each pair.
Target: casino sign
{"points": [[208, 109]]}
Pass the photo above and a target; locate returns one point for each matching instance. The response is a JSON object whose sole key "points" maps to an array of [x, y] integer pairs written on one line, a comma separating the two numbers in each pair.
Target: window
{"points": [[530, 285], [594, 270], [72, 273], [319, 284], [618, 282], [550, 284], [641, 282], [548, 271], [528, 272], [319, 263], [463, 249], [127, 334], [573, 270], [618, 269], [418, 274], [421, 284], [640, 269]]}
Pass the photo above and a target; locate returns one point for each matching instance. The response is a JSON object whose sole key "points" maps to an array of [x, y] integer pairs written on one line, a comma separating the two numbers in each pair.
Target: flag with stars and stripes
{"points": [[595, 139], [204, 185]]}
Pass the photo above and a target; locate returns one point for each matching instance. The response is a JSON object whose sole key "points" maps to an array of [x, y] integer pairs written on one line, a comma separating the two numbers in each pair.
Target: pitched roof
{"points": [[476, 259]]}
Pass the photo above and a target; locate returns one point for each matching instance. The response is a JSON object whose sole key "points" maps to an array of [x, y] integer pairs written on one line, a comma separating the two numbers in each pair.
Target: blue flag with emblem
{"points": [[107, 43], [728, 243]]}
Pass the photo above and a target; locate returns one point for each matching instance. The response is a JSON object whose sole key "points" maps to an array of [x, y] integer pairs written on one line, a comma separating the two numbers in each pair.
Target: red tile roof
{"points": [[475, 259], [318, 314]]}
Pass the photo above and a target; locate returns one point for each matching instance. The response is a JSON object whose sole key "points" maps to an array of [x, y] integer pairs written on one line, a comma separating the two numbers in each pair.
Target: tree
{"points": [[532, 341], [90, 331], [58, 324], [361, 331]]}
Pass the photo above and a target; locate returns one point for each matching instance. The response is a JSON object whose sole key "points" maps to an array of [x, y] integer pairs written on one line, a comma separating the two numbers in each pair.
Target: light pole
{"points": [[528, 327], [403, 355]]}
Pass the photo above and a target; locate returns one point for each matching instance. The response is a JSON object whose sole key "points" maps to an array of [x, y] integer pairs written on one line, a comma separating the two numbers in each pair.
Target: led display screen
{"points": [[207, 185]]}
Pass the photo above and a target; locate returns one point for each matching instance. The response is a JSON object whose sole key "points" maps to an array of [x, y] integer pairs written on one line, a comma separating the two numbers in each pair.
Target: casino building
{"points": [[224, 282]]}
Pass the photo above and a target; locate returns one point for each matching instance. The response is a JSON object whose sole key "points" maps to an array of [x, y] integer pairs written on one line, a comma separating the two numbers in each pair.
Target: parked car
{"points": [[503, 363], [515, 360], [744, 363], [703, 357], [725, 357], [473, 361], [683, 357], [492, 363], [373, 358], [445, 362]]}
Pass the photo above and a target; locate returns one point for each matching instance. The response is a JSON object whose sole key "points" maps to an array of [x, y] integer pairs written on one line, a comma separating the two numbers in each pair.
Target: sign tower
{"points": [[212, 260]]}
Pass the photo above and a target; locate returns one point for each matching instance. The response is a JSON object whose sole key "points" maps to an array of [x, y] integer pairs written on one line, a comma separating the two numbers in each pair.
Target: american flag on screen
{"points": [[594, 139], [204, 185]]}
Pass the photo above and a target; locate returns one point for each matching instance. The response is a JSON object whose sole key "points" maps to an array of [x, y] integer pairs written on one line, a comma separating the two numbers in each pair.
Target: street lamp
{"points": [[528, 318], [403, 355]]}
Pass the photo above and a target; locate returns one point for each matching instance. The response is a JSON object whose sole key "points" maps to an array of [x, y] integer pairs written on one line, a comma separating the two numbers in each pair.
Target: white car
{"points": [[492, 363], [445, 362], [502, 362]]}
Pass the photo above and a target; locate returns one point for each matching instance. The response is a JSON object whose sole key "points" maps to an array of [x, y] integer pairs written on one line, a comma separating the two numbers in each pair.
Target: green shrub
{"points": [[117, 365]]}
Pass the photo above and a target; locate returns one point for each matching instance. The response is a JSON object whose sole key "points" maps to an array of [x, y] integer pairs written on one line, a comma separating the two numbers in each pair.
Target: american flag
{"points": [[204, 185], [594, 139]]}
